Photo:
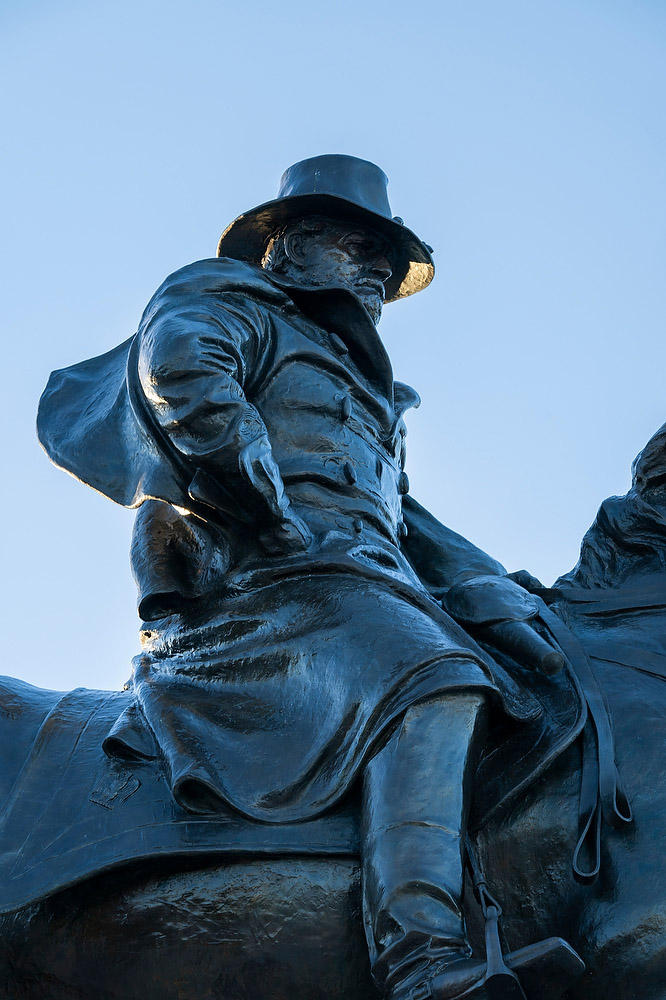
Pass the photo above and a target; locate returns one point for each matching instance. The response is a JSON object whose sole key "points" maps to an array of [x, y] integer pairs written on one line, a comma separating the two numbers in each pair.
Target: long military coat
{"points": [[266, 679]]}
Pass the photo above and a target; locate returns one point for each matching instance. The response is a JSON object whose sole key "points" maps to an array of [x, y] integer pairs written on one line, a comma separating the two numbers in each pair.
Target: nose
{"points": [[381, 268]]}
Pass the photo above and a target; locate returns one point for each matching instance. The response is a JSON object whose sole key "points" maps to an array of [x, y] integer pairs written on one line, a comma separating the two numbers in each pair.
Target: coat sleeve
{"points": [[473, 587], [196, 360], [441, 557]]}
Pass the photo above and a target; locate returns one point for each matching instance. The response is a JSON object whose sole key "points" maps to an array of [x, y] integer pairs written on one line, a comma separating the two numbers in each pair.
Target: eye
{"points": [[358, 245], [354, 241]]}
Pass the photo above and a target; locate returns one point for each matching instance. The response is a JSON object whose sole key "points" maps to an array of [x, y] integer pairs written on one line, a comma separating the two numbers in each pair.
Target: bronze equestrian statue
{"points": [[346, 720]]}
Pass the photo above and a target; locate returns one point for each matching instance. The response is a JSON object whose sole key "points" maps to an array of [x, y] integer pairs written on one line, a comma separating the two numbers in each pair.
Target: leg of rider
{"points": [[415, 804]]}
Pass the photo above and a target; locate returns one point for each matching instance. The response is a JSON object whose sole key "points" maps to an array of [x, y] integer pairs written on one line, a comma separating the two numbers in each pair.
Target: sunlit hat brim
{"points": [[247, 237]]}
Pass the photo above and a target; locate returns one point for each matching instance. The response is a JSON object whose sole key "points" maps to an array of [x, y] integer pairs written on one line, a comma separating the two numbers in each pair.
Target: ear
{"points": [[295, 248]]}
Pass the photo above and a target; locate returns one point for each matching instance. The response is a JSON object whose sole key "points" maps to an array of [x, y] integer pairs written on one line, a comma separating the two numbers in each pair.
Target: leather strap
{"points": [[602, 795], [586, 861]]}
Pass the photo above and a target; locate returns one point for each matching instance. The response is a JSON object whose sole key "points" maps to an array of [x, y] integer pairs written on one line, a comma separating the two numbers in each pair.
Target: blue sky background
{"points": [[524, 140]]}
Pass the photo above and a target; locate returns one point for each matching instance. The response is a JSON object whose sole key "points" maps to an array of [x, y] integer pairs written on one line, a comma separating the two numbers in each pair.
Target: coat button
{"points": [[338, 344], [403, 483], [350, 473], [345, 408], [358, 525]]}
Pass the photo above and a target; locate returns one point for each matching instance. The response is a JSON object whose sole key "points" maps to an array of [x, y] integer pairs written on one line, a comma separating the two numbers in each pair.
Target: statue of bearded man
{"points": [[310, 633]]}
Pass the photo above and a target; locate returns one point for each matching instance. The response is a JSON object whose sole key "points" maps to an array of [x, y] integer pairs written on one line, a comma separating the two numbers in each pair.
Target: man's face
{"points": [[343, 255]]}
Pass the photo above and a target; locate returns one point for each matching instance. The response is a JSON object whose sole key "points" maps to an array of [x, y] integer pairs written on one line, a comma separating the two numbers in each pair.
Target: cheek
{"points": [[333, 266], [345, 268], [325, 263]]}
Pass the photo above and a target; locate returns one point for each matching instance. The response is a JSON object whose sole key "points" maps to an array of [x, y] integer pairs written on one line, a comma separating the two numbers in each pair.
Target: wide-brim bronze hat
{"points": [[343, 187]]}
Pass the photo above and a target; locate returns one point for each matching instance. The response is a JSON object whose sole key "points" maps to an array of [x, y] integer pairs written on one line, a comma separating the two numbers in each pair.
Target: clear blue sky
{"points": [[524, 140]]}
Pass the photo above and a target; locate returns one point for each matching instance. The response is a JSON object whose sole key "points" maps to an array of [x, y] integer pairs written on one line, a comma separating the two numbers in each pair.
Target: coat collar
{"points": [[341, 312], [335, 309]]}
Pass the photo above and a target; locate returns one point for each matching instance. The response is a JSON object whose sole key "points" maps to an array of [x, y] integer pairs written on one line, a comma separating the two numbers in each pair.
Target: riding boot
{"points": [[415, 803]]}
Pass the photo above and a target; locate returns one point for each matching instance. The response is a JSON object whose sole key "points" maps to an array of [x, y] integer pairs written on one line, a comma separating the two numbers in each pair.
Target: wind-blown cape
{"points": [[92, 421]]}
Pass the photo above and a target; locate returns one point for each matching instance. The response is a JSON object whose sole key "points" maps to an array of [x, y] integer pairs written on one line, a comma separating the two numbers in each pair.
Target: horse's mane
{"points": [[627, 541]]}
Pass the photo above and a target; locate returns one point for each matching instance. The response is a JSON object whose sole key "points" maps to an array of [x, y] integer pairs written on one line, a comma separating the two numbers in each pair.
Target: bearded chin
{"points": [[373, 306]]}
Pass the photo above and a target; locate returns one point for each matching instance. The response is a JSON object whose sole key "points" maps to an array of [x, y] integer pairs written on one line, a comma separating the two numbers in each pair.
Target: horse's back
{"points": [[282, 928], [23, 708]]}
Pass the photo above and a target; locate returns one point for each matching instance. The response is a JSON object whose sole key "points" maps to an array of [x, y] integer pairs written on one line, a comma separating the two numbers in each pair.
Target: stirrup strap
{"points": [[602, 794], [496, 968]]}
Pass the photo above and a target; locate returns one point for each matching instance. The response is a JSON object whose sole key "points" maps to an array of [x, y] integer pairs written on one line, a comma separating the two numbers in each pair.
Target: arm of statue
{"points": [[194, 366], [442, 557], [477, 591]]}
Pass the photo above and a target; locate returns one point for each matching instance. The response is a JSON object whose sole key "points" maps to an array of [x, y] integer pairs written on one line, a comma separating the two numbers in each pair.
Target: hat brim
{"points": [[247, 237]]}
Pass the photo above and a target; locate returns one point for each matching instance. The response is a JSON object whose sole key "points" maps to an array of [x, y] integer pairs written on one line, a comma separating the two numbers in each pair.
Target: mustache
{"points": [[375, 285]]}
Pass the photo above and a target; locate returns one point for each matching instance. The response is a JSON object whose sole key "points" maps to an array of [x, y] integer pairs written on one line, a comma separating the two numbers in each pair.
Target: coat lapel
{"points": [[341, 312]]}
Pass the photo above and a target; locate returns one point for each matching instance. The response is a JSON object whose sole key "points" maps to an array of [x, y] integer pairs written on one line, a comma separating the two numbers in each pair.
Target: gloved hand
{"points": [[286, 532], [262, 505], [499, 611]]}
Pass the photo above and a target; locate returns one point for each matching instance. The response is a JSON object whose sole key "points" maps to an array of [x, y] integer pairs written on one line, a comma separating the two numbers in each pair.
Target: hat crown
{"points": [[347, 177]]}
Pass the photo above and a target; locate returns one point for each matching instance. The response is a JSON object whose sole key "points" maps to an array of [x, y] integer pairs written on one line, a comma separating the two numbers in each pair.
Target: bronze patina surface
{"points": [[356, 757]]}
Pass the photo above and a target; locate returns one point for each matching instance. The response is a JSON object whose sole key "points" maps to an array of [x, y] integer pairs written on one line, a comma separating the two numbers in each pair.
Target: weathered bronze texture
{"points": [[356, 758]]}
